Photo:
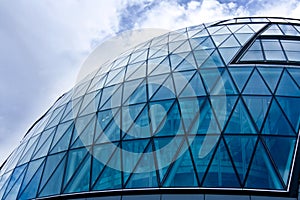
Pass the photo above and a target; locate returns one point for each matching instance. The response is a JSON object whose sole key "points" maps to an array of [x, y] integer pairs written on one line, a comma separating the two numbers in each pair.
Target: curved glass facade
{"points": [[214, 106]]}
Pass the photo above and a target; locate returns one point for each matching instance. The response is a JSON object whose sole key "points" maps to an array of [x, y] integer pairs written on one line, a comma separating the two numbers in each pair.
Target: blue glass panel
{"points": [[154, 83], [202, 149], [104, 117], [193, 88], [252, 56], [182, 196], [144, 197], [295, 73], [106, 94], [187, 64], [210, 77], [218, 39], [240, 76], [183, 47], [112, 131], [75, 157], [241, 149], [262, 173], [61, 130], [221, 172], [114, 101], [271, 45], [51, 164], [223, 30], [139, 127], [239, 121], [53, 185], [274, 55], [224, 85], [43, 147], [207, 44], [230, 42], [276, 123], [140, 72], [288, 29], [15, 179], [181, 173], [181, 79], [287, 86], [110, 178], [30, 191], [81, 179], [80, 124], [86, 136], [176, 59], [138, 95], [290, 45], [245, 29], [129, 114], [163, 67], [228, 53], [201, 56], [256, 85], [271, 76], [243, 37], [144, 174], [63, 142], [293, 56], [166, 91], [101, 155], [92, 107], [290, 107], [213, 61], [13, 192], [282, 151], [257, 106], [256, 46]]}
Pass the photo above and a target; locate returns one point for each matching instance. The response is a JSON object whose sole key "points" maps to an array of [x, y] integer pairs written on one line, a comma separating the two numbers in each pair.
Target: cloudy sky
{"points": [[44, 42]]}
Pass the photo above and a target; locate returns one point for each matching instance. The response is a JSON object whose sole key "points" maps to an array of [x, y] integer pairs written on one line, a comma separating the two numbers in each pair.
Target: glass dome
{"points": [[210, 107]]}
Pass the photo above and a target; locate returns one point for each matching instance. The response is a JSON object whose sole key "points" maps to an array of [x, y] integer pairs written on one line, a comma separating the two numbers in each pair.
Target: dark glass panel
{"points": [[256, 85], [287, 86], [289, 106], [240, 76], [271, 76]]}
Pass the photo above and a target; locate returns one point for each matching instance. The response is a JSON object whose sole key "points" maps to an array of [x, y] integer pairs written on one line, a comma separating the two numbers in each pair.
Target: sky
{"points": [[43, 44]]}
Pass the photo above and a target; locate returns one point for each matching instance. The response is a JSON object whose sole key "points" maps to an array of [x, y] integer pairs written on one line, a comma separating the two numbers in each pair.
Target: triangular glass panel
{"points": [[51, 165], [241, 149], [158, 113], [202, 148], [112, 131], [183, 48], [202, 55], [187, 64], [80, 124], [193, 88], [111, 176], [257, 106], [61, 130], [182, 172], [256, 85], [271, 76], [153, 63], [28, 152], [175, 45], [234, 27], [221, 172], [240, 76], [138, 56], [207, 44], [240, 122], [144, 176], [132, 68], [175, 59], [130, 87], [228, 53], [230, 42], [224, 85], [85, 138], [205, 121], [129, 115], [210, 77], [213, 29], [289, 105], [13, 192], [55, 117], [15, 179], [195, 41], [97, 83], [276, 123], [262, 173], [133, 152], [213, 61], [76, 103], [154, 83], [219, 39], [63, 143], [113, 74], [44, 143], [81, 179], [104, 117], [30, 192], [139, 95], [222, 107], [190, 108], [75, 158], [166, 90], [181, 79], [53, 185], [295, 73], [222, 31], [92, 105], [282, 152], [140, 72], [101, 155], [243, 37], [158, 51], [256, 27], [163, 67], [107, 93], [166, 156], [245, 29], [287, 87]]}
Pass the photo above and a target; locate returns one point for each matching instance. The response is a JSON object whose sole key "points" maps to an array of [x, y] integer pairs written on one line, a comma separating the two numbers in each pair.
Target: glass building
{"points": [[205, 112]]}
